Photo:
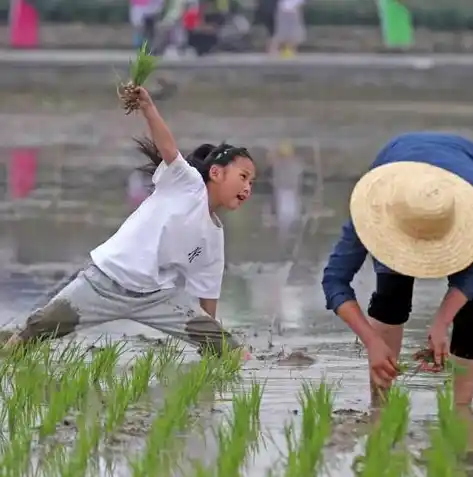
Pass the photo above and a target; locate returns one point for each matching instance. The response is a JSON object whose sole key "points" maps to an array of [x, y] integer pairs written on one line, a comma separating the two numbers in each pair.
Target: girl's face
{"points": [[231, 185]]}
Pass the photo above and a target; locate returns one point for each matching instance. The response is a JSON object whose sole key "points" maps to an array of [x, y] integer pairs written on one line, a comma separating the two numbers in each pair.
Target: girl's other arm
{"points": [[160, 132], [209, 305]]}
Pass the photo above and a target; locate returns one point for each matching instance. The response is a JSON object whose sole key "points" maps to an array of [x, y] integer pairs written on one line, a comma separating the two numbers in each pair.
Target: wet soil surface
{"points": [[272, 301]]}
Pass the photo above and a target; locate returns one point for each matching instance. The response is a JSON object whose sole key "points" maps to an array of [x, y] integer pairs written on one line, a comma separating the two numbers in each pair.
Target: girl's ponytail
{"points": [[147, 147]]}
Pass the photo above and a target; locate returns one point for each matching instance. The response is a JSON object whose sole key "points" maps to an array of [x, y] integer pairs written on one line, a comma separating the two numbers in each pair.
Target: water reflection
{"points": [[22, 172], [285, 207]]}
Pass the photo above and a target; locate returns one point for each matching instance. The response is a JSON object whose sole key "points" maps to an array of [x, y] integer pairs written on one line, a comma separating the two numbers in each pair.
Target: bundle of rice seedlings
{"points": [[140, 69], [426, 357]]}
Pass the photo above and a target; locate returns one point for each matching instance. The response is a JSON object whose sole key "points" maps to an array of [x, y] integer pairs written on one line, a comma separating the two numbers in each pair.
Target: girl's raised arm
{"points": [[160, 132]]}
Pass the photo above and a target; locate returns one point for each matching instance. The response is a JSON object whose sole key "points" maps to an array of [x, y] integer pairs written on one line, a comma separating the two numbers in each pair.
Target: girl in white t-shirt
{"points": [[172, 242]]}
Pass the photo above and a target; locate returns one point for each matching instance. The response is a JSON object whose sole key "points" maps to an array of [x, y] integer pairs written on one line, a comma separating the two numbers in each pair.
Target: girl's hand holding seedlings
{"points": [[144, 99], [382, 362]]}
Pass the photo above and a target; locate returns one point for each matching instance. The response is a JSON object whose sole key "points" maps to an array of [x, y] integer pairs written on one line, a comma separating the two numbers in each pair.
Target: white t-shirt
{"points": [[169, 238]]}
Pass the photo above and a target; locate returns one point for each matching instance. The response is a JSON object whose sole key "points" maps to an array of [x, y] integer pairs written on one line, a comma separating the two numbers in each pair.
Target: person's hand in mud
{"points": [[382, 362], [452, 303], [438, 345]]}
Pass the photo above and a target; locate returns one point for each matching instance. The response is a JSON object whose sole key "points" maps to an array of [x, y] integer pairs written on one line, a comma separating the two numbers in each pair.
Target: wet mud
{"points": [[57, 319]]}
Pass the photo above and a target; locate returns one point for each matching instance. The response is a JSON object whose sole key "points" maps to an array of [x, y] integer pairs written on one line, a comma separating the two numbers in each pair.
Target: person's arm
{"points": [[209, 305], [460, 291], [181, 176], [350, 312], [208, 283], [160, 132], [344, 262]]}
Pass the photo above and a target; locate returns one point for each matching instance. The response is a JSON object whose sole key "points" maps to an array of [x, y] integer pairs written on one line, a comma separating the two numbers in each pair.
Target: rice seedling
{"points": [[105, 362], [143, 370], [62, 396], [163, 444], [239, 434], [53, 461], [305, 452], [385, 455], [23, 400], [227, 373], [76, 462], [129, 388], [160, 449], [15, 456], [66, 361], [81, 385], [140, 69], [169, 358], [69, 383], [427, 363], [117, 402], [448, 439]]}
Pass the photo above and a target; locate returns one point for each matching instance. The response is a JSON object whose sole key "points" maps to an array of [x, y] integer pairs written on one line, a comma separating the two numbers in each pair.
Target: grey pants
{"points": [[90, 298]]}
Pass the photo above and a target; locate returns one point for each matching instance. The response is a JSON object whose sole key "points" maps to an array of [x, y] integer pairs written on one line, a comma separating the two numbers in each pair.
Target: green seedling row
{"points": [[63, 408]]}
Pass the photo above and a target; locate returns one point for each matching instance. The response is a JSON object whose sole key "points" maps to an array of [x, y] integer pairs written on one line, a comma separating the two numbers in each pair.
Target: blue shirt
{"points": [[450, 152]]}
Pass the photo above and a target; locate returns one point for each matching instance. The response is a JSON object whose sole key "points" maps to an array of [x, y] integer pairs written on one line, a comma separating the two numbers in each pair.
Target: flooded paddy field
{"points": [[67, 181]]}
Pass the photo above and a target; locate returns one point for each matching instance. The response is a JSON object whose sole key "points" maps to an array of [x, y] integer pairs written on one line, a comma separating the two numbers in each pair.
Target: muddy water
{"points": [[75, 189]]}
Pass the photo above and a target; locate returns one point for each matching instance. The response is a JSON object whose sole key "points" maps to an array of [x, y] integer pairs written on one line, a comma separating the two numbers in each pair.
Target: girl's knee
{"points": [[58, 318]]}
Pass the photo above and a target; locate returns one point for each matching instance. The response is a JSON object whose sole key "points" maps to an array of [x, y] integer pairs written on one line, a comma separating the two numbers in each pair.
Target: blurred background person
{"points": [[173, 38], [284, 211], [203, 22], [265, 15], [290, 31], [143, 16], [286, 205], [216, 24]]}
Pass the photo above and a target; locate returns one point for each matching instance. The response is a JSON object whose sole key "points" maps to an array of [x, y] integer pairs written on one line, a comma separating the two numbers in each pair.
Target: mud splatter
{"points": [[296, 358], [58, 318]]}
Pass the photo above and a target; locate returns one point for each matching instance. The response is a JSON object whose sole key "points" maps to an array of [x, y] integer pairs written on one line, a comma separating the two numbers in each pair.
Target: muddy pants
{"points": [[91, 298], [391, 304]]}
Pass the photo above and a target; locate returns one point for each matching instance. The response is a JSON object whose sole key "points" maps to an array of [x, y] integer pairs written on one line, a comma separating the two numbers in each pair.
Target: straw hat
{"points": [[415, 218]]}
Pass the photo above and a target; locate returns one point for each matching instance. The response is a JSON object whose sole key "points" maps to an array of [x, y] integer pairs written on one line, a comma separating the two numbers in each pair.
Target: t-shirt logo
{"points": [[194, 254]]}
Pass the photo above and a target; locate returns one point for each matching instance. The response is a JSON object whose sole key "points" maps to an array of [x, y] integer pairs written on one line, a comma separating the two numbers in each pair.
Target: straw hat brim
{"points": [[397, 250]]}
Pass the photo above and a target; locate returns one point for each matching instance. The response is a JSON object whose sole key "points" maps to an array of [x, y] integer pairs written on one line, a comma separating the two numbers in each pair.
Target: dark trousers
{"points": [[391, 304]]}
